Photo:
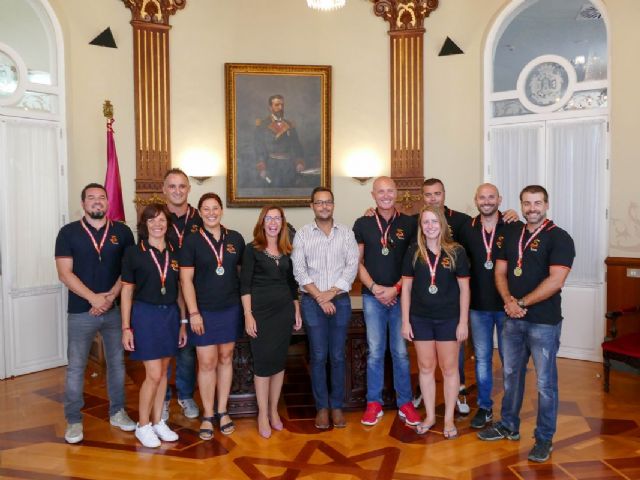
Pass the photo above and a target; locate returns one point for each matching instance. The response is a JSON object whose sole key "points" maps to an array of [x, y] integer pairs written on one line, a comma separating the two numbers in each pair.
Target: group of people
{"points": [[192, 284]]}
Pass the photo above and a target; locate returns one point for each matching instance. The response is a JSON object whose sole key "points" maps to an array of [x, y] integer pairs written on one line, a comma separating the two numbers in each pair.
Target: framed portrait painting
{"points": [[278, 133]]}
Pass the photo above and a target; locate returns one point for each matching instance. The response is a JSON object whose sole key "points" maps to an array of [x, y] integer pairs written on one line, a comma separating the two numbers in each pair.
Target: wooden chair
{"points": [[625, 348]]}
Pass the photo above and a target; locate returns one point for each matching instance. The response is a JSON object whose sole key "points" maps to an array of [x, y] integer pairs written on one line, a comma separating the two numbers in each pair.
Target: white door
{"points": [[568, 157], [31, 207]]}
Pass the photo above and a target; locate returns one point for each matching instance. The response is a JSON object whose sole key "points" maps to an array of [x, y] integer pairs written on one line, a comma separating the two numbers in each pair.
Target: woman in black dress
{"points": [[151, 328], [435, 311], [271, 310], [209, 264]]}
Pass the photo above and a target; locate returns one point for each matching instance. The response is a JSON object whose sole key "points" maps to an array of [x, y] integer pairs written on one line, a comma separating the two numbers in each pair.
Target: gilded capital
{"points": [[404, 15], [153, 11]]}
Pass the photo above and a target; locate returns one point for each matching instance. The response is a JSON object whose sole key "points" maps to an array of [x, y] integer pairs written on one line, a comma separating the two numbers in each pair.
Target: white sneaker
{"points": [[73, 434], [189, 408], [147, 436], [461, 403], [165, 410], [164, 432], [122, 421]]}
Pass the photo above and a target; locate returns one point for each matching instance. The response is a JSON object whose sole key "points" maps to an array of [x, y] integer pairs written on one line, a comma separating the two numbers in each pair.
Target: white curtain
{"points": [[576, 156], [29, 152], [517, 160]]}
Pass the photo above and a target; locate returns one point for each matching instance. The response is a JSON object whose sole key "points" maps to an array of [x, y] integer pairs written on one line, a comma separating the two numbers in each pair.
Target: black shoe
{"points": [[497, 431], [540, 451], [481, 418]]}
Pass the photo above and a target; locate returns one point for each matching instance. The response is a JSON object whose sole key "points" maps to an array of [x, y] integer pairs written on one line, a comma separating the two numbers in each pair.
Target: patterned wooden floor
{"points": [[598, 438]]}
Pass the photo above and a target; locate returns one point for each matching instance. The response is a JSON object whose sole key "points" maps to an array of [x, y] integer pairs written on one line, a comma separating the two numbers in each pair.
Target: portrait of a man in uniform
{"points": [[275, 156]]}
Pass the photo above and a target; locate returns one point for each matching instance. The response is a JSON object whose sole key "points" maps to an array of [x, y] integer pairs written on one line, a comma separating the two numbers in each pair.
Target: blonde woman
{"points": [[435, 311]]}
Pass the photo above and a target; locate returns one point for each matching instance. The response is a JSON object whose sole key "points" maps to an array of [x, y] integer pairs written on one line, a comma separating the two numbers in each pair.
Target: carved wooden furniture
{"points": [[150, 22], [242, 401], [624, 348], [406, 33]]}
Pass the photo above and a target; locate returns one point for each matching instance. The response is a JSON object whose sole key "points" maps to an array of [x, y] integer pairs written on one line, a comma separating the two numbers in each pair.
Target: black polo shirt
{"points": [[484, 294], [552, 247], [455, 220], [97, 275], [445, 303], [213, 291], [385, 270], [139, 269], [187, 224]]}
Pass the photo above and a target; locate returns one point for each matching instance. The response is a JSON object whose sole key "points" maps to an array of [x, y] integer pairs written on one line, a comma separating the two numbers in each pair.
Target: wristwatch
{"points": [[521, 303]]}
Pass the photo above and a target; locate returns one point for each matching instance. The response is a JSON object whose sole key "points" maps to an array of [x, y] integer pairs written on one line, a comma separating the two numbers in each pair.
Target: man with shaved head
{"points": [[383, 239], [480, 238]]}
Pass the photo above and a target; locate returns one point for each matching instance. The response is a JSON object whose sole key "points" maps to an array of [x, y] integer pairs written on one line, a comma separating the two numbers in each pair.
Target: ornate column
{"points": [[150, 22], [406, 33]]}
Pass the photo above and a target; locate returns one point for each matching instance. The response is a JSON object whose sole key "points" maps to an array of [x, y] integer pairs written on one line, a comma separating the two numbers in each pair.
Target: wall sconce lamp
{"points": [[200, 180], [362, 180]]}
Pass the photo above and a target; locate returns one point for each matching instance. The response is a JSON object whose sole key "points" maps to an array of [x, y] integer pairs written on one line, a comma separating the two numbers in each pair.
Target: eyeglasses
{"points": [[269, 218], [322, 203]]}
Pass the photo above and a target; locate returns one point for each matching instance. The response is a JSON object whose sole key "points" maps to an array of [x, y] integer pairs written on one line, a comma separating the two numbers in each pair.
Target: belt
{"points": [[340, 295]]}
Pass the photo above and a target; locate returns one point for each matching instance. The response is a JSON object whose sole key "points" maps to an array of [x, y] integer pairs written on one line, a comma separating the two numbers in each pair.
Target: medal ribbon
{"points": [[432, 268], [97, 247], [488, 245], [178, 232], [385, 234], [533, 235], [161, 271], [219, 256]]}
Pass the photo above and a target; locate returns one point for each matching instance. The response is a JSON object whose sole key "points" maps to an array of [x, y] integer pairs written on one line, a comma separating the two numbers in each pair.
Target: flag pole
{"points": [[112, 181]]}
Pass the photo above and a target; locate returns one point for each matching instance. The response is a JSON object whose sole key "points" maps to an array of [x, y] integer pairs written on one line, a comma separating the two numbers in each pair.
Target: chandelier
{"points": [[325, 4]]}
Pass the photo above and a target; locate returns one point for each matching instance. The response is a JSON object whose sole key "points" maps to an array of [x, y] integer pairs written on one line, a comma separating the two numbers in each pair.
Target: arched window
{"points": [[33, 186], [546, 120]]}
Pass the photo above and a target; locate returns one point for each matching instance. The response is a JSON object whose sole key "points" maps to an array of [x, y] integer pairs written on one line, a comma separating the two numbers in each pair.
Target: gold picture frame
{"points": [[275, 157]]}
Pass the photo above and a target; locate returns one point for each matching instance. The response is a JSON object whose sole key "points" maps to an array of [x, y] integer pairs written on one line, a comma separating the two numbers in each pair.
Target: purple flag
{"points": [[112, 181]]}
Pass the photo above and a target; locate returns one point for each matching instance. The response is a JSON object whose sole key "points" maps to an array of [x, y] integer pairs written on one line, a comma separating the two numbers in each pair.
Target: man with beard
{"points": [[184, 221], [88, 260], [532, 265], [383, 239], [480, 238], [325, 263], [279, 156]]}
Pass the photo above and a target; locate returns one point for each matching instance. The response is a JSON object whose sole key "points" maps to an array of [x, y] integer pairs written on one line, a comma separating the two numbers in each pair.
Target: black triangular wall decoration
{"points": [[105, 39], [449, 48]]}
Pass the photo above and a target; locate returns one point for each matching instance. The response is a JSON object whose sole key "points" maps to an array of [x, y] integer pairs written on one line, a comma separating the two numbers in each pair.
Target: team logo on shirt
{"points": [[534, 245], [500, 241], [194, 228], [174, 265], [231, 249], [114, 239], [446, 263], [400, 234]]}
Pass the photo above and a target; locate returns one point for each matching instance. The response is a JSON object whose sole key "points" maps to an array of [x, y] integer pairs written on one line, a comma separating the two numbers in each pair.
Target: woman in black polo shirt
{"points": [[435, 311], [271, 310], [151, 328], [209, 265]]}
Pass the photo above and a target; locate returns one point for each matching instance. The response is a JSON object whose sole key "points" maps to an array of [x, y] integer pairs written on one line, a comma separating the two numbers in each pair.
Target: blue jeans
{"points": [[483, 324], [327, 336], [185, 373], [377, 318], [522, 339], [82, 329]]}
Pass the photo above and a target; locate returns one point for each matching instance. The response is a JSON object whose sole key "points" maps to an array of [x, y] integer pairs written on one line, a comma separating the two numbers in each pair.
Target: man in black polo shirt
{"points": [[532, 265], [480, 237], [185, 220], [88, 259], [383, 239]]}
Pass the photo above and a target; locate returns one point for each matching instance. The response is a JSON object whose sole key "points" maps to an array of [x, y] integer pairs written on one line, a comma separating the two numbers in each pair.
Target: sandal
{"points": [[229, 427], [206, 433], [450, 433], [423, 428]]}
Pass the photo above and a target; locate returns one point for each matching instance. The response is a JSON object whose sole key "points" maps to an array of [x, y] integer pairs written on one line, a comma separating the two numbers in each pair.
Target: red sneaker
{"points": [[409, 414], [372, 414]]}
